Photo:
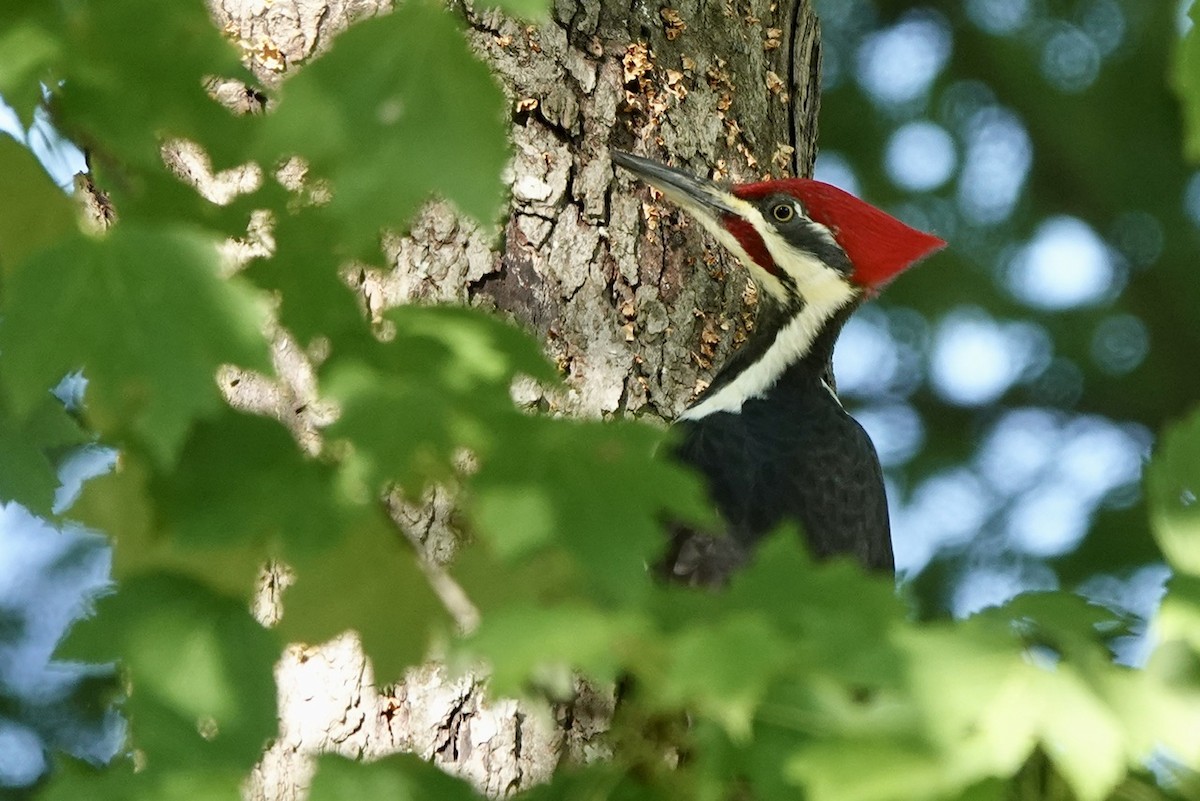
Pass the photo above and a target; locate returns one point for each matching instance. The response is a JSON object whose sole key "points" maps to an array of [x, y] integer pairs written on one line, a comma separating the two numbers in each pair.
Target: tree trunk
{"points": [[633, 303]]}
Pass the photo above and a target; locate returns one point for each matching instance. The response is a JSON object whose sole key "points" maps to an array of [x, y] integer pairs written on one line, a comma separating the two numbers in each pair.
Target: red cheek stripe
{"points": [[748, 237]]}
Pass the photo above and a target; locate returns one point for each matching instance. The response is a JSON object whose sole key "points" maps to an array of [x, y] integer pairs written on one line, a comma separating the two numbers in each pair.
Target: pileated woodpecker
{"points": [[769, 433]]}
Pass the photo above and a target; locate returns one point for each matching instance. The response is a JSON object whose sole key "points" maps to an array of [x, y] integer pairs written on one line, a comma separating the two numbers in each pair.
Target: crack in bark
{"points": [[452, 726], [514, 783]]}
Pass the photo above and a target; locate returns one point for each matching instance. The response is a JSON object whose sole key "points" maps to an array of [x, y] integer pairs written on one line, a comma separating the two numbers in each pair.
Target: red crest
{"points": [[879, 246]]}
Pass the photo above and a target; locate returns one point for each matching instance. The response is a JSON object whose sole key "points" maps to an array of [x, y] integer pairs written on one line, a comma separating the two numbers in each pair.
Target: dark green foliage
{"points": [[369, 582], [151, 320], [401, 778], [44, 213], [133, 73], [198, 667], [399, 109]]}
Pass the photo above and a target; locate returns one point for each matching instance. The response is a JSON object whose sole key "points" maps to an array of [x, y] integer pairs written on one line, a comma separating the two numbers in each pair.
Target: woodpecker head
{"points": [[807, 244]]}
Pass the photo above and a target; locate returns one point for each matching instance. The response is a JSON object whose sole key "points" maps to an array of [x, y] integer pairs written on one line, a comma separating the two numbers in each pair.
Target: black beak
{"points": [[698, 196]]}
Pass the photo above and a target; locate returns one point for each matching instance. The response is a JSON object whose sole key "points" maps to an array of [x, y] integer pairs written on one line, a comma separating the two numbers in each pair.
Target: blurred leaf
{"points": [[35, 211], [145, 314], [121, 782], [370, 583], [402, 428], [1179, 617], [200, 671], [866, 769], [987, 699], [28, 469], [401, 777], [440, 383], [399, 108], [594, 489], [532, 10], [27, 50], [465, 348], [840, 616], [26, 475], [1186, 80], [527, 647], [154, 197], [315, 301], [988, 790], [967, 681], [1172, 488], [120, 505], [165, 50], [723, 670], [495, 583], [242, 480], [598, 781], [1069, 624], [1082, 737], [79, 713]]}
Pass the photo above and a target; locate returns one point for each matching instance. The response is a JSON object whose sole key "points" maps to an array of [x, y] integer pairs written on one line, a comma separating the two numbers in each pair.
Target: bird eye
{"points": [[783, 212]]}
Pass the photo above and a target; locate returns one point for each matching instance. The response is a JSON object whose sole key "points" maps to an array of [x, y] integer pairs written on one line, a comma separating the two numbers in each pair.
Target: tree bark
{"points": [[633, 303]]}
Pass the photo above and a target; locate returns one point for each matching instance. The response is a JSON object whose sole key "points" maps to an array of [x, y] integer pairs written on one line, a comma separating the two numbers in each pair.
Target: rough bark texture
{"points": [[632, 302]]}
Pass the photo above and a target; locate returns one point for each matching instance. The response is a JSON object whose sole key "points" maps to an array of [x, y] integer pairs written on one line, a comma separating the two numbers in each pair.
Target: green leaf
{"points": [[841, 616], [723, 670], [314, 300], [1081, 736], [166, 50], [370, 583], [1173, 491], [867, 769], [147, 317], [200, 671], [598, 781], [465, 348], [1002, 699], [28, 450], [1186, 80], [1167, 705], [27, 51], [401, 777], [1179, 615], [122, 782], [120, 505], [1068, 624], [79, 714], [399, 108], [529, 647], [440, 383], [495, 584], [242, 480], [533, 10], [597, 490], [978, 713], [35, 211], [402, 429]]}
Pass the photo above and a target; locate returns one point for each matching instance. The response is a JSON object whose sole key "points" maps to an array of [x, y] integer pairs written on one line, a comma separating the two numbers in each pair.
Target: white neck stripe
{"points": [[824, 295]]}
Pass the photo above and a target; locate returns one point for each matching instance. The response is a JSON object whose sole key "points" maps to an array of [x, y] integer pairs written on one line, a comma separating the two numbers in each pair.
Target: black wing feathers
{"points": [[794, 455]]}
